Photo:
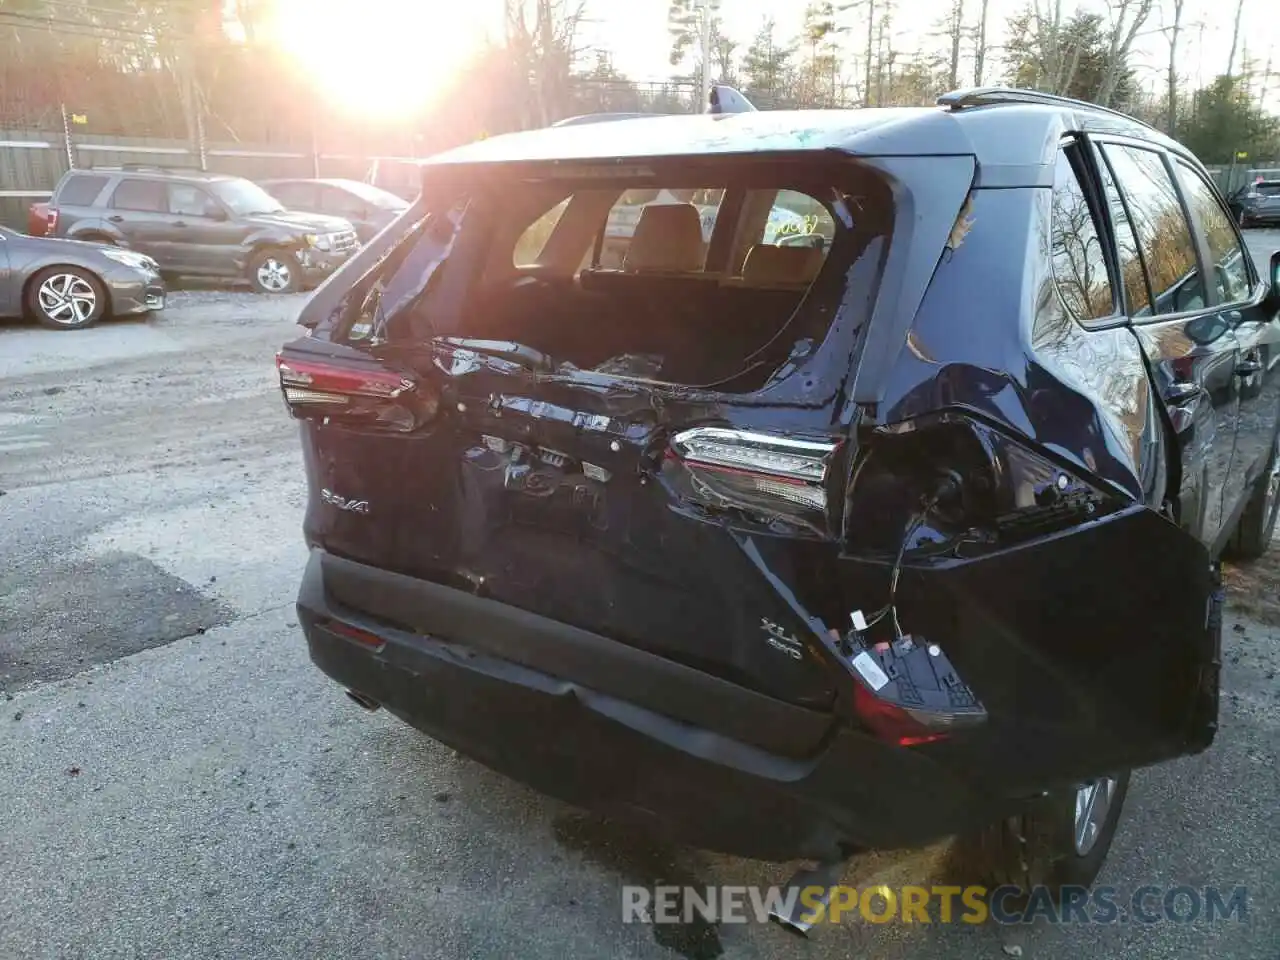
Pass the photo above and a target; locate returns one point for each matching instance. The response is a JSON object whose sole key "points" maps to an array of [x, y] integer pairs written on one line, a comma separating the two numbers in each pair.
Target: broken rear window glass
{"points": [[718, 283]]}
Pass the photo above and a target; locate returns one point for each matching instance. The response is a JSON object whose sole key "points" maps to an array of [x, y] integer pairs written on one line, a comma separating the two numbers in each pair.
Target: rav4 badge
{"points": [[342, 503]]}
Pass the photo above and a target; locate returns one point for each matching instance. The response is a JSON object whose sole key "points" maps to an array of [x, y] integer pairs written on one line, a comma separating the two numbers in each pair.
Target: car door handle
{"points": [[180, 223], [116, 219], [1248, 367]]}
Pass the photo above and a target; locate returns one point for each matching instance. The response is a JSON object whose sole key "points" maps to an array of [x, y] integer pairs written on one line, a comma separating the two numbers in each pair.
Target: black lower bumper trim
{"points": [[604, 751]]}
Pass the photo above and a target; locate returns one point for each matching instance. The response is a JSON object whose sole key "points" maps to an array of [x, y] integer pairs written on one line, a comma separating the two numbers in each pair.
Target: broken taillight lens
{"points": [[382, 398], [766, 476], [907, 692], [999, 489]]}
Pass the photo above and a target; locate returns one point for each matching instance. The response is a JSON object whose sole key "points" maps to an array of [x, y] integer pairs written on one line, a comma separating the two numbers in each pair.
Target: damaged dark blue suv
{"points": [[896, 519]]}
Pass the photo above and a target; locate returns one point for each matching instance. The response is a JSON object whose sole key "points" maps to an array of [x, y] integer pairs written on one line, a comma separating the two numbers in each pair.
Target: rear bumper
{"points": [[607, 727]]}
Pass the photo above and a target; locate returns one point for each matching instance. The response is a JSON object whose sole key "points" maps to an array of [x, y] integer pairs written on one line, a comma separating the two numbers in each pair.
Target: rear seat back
{"points": [[668, 239], [773, 267]]}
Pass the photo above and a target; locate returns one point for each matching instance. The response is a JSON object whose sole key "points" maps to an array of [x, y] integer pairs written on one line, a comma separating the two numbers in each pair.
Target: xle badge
{"points": [[342, 503], [779, 639]]}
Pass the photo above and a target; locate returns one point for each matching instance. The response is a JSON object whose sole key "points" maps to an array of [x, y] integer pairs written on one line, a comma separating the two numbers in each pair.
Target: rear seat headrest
{"points": [[770, 266], [667, 238]]}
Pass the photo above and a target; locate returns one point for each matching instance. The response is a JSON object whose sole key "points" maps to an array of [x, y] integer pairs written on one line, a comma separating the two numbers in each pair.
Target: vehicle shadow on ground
{"points": [[487, 815]]}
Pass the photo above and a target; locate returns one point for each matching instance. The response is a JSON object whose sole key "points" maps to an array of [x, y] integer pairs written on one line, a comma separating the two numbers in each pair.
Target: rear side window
{"points": [[295, 196], [80, 190], [1227, 259], [149, 196], [187, 200], [340, 203], [1164, 235], [534, 240], [1132, 276], [1269, 189], [1079, 256]]}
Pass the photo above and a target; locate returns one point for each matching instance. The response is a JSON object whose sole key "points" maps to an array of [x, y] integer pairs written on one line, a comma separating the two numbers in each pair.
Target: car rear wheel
{"points": [[274, 271], [1060, 840], [1258, 521], [66, 298]]}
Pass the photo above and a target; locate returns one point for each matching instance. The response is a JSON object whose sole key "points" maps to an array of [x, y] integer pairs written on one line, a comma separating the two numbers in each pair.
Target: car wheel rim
{"points": [[274, 275], [1273, 488], [68, 299], [1093, 803]]}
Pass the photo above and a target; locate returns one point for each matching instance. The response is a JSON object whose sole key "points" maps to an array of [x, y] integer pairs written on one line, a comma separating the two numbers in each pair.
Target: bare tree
{"points": [[1059, 56], [1173, 30], [871, 43], [980, 44], [955, 31], [541, 38], [1235, 38], [1127, 18]]}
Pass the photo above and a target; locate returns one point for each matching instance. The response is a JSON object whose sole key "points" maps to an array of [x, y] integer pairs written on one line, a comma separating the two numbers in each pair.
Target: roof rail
{"points": [[150, 167], [987, 96]]}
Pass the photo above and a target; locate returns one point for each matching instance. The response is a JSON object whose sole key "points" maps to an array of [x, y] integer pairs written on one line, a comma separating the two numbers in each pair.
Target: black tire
{"points": [[101, 238], [275, 263], [1257, 522], [1037, 848], [66, 298]]}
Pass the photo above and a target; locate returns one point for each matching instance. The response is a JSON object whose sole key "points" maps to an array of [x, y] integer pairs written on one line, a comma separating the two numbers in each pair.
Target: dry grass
{"points": [[1252, 588]]}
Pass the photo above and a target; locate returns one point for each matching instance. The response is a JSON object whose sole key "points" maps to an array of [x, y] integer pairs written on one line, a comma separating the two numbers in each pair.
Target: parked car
{"points": [[201, 224], [1257, 203], [368, 208], [38, 219], [790, 550], [68, 285]]}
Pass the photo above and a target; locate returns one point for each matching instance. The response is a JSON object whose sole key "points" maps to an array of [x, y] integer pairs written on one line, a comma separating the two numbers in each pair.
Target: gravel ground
{"points": [[178, 781]]}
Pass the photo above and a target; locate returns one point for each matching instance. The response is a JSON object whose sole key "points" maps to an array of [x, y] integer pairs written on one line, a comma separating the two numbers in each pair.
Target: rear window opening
{"points": [[713, 277]]}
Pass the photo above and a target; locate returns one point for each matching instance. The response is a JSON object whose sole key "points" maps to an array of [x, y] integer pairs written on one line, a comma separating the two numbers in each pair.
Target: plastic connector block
{"points": [[915, 676]]}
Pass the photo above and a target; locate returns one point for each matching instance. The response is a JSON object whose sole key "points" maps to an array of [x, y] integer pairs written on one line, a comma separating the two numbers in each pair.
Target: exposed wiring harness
{"points": [[948, 486]]}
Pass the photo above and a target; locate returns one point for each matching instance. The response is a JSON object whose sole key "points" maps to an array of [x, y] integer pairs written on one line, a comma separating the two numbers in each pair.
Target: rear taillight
{"points": [[768, 477], [907, 692], [380, 398], [51, 222]]}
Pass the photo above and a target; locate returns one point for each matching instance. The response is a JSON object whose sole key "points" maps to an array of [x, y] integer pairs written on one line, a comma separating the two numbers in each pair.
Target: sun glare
{"points": [[381, 58]]}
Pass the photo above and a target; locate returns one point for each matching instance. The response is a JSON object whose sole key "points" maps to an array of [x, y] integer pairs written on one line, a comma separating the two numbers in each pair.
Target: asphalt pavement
{"points": [[177, 781]]}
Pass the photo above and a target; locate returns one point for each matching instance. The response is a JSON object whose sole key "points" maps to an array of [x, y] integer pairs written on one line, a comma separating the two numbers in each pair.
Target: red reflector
{"points": [[363, 637], [890, 722]]}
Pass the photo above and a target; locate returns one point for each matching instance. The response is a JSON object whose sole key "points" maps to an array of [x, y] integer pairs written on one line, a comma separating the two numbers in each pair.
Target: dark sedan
{"points": [[1257, 203], [368, 208], [69, 285]]}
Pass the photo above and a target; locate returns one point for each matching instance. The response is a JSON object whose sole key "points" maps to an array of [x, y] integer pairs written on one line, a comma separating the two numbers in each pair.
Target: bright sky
{"points": [[636, 30], [432, 38]]}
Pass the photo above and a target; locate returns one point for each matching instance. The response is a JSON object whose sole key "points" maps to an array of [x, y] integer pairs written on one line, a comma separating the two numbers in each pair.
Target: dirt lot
{"points": [[178, 781]]}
